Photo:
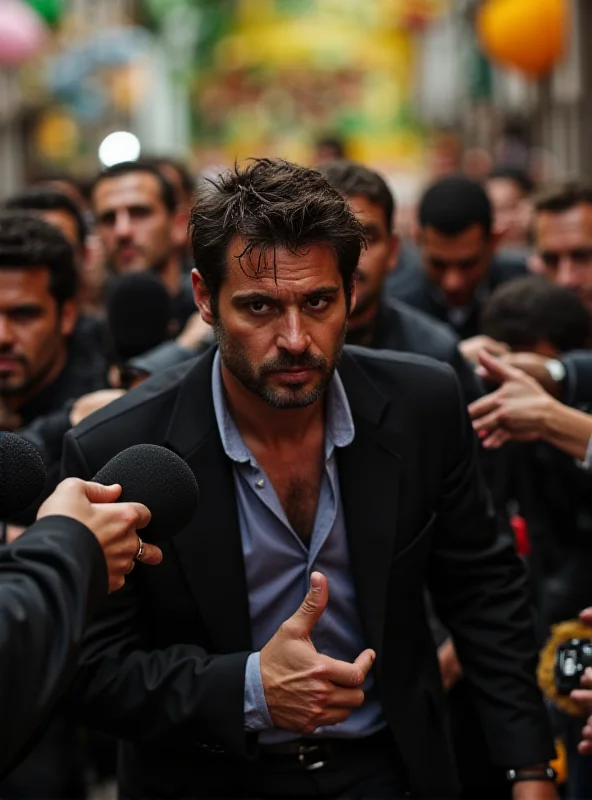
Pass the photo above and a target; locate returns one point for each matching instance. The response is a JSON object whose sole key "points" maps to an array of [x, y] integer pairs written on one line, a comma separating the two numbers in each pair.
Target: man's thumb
{"points": [[313, 605], [97, 493]]}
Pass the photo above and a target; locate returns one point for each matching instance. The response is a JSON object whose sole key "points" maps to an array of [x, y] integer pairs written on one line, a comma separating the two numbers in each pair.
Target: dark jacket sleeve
{"points": [[132, 690], [51, 580], [479, 588], [578, 378]]}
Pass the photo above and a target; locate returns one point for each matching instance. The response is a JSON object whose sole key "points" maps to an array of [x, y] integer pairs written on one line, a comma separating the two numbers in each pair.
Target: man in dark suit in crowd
{"points": [[143, 229], [457, 246], [55, 577], [378, 322], [349, 470]]}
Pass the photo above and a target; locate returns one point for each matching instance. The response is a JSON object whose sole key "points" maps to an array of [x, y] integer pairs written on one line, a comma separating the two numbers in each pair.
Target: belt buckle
{"points": [[306, 757]]}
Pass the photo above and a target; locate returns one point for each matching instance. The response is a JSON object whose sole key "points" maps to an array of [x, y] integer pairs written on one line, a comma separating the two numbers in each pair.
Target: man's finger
{"points": [[144, 515], [586, 616], [498, 370], [349, 675], [151, 555], [582, 697], [345, 698], [585, 748], [313, 606], [97, 493], [484, 405], [495, 440], [365, 661], [488, 422]]}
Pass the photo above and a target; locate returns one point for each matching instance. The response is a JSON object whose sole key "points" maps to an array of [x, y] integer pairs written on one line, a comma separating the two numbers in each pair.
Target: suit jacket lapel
{"points": [[209, 548], [369, 476]]}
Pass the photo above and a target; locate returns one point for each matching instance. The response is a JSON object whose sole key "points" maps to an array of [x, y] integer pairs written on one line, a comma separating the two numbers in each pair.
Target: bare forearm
{"points": [[567, 429]]}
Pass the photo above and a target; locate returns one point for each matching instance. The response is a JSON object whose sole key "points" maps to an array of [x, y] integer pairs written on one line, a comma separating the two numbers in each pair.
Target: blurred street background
{"points": [[414, 88]]}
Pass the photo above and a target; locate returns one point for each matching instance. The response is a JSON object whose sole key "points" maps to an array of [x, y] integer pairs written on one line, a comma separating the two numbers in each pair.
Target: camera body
{"points": [[571, 659]]}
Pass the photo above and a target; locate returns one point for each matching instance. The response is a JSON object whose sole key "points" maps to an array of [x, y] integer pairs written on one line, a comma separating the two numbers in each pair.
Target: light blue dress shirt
{"points": [[278, 565]]}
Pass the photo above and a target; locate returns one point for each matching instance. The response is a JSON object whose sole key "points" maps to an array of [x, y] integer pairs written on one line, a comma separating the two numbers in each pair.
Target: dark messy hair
{"points": [[564, 196], [47, 199], [270, 204], [167, 190], [455, 203], [353, 179], [526, 311], [28, 242]]}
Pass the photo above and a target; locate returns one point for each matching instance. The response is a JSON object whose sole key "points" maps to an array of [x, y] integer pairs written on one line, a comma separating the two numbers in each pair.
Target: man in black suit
{"points": [[220, 674], [457, 247], [55, 577], [377, 321]]}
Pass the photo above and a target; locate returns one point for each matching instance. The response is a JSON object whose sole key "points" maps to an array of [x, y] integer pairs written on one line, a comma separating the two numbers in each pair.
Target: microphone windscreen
{"points": [[139, 313], [159, 479], [22, 474]]}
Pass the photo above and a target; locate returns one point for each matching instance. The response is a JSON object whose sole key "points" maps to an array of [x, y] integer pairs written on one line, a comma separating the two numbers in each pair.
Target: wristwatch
{"points": [[556, 369], [542, 773]]}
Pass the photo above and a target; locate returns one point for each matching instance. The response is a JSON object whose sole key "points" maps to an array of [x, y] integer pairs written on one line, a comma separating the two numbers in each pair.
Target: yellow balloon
{"points": [[529, 35]]}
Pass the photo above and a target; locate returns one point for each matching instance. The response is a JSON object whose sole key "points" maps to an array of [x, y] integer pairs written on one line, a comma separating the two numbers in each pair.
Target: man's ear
{"points": [[68, 317], [202, 297], [393, 252]]}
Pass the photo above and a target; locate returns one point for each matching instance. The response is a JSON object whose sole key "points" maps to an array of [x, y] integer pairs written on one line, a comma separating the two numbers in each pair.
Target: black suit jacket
{"points": [[417, 291], [51, 581], [163, 666]]}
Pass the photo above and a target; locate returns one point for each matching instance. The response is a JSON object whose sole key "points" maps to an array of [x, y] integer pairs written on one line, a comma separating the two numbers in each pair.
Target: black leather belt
{"points": [[312, 754]]}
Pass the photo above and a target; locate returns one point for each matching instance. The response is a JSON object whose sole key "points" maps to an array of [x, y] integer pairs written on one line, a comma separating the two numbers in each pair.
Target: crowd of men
{"points": [[96, 296]]}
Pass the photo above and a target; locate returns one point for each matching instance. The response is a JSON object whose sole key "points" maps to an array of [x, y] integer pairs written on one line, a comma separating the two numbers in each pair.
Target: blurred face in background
{"points": [[456, 265], [137, 230], [563, 243], [376, 261], [33, 331], [511, 210]]}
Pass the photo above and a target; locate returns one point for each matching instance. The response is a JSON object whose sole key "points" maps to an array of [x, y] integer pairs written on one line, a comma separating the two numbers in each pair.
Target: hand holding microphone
{"points": [[114, 524], [114, 506], [303, 688]]}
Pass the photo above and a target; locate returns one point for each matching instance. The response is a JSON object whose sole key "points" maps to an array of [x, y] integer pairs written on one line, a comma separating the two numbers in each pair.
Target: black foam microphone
{"points": [[139, 314], [159, 479], [22, 474]]}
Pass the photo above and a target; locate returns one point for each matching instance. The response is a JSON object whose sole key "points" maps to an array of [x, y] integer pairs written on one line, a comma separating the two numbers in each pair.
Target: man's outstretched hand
{"points": [[303, 688]]}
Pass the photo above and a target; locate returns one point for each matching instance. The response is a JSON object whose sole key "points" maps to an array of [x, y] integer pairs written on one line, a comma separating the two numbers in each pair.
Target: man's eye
{"points": [[258, 307], [318, 303]]}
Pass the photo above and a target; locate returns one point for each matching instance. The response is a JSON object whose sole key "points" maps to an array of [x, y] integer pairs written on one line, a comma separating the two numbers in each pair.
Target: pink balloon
{"points": [[22, 33]]}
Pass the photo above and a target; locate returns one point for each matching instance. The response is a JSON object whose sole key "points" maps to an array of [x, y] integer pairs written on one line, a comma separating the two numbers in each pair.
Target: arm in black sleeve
{"points": [[51, 580], [479, 588], [471, 384], [132, 690], [578, 377]]}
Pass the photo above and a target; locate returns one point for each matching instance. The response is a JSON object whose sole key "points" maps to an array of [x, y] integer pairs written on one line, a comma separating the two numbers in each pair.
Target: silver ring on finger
{"points": [[140, 552], [132, 565]]}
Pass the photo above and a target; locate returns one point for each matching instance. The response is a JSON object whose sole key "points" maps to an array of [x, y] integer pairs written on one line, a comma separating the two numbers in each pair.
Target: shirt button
{"points": [[260, 484]]}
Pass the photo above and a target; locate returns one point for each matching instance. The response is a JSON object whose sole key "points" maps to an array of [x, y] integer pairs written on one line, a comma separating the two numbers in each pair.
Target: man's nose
{"points": [[123, 226], [568, 274], [453, 280], [293, 336], [6, 331]]}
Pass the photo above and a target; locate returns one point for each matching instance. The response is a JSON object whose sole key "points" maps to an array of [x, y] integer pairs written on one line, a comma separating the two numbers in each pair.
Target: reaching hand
{"points": [[517, 410], [114, 524], [533, 364], [470, 348], [303, 688]]}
